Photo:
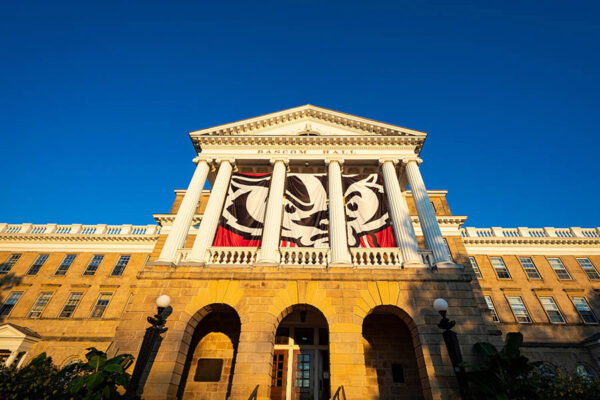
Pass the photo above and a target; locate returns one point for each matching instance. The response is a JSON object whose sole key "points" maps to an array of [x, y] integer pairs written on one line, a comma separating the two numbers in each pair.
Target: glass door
{"points": [[279, 374], [304, 375]]}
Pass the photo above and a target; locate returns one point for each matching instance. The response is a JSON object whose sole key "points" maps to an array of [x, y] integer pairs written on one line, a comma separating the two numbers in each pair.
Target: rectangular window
{"points": [[93, 265], [475, 267], [519, 309], [500, 267], [37, 264], [583, 308], [39, 305], [559, 268], [552, 310], [490, 304], [589, 268], [9, 263], [101, 305], [70, 305], [10, 303], [120, 265], [530, 268], [65, 264]]}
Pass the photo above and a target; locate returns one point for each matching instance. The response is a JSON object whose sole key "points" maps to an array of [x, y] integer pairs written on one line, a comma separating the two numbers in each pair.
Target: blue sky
{"points": [[97, 99]]}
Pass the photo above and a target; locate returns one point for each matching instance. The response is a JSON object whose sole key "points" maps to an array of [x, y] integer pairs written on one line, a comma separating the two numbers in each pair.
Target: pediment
{"points": [[308, 120], [10, 331]]}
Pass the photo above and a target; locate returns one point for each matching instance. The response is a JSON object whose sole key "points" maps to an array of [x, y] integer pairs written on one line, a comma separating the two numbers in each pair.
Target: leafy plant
{"points": [[504, 374], [40, 379], [565, 386]]}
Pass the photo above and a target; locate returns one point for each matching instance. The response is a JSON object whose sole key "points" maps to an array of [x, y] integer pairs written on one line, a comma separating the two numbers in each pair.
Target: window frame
{"points": [[475, 267], [112, 273], [51, 294], [60, 314], [58, 269], [110, 294], [493, 311], [592, 267], [9, 259], [588, 306], [503, 263], [524, 306], [570, 278], [88, 269], [4, 303], [35, 264], [535, 268], [558, 310]]}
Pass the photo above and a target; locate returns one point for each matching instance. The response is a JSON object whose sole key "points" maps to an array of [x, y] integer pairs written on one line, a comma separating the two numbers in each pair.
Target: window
{"points": [[519, 309], [589, 268], [559, 268], [9, 263], [584, 310], [475, 267], [39, 305], [101, 305], [66, 263], [530, 268], [552, 310], [500, 267], [37, 264], [490, 304], [70, 305], [120, 265], [10, 303], [93, 265]]}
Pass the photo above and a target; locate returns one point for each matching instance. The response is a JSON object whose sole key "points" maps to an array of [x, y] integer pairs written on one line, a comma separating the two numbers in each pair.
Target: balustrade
{"points": [[530, 232], [304, 256], [97, 230]]}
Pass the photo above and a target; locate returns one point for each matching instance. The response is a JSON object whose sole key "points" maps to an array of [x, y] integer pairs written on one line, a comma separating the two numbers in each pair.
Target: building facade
{"points": [[308, 267]]}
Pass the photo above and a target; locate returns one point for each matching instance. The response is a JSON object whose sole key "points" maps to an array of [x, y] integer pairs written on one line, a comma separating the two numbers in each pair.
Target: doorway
{"points": [[301, 357]]}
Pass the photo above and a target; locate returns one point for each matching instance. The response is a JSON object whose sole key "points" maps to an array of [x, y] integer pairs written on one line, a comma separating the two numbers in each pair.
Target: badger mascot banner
{"points": [[243, 216], [367, 218]]}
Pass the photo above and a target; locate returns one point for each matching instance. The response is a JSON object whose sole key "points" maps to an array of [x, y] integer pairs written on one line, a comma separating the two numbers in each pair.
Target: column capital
{"points": [[229, 160], [338, 160], [389, 159], [407, 160], [285, 160], [199, 158]]}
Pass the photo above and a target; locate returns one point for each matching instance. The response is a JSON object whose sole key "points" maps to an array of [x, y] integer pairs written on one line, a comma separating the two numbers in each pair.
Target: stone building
{"points": [[307, 267]]}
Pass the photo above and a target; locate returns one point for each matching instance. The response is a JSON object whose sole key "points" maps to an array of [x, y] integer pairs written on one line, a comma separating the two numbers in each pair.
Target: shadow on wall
{"points": [[7, 282]]}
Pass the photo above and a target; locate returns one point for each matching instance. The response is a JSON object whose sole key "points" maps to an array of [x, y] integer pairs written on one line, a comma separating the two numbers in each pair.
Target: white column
{"points": [[212, 213], [185, 214], [269, 247], [429, 225], [404, 232], [11, 358], [338, 240]]}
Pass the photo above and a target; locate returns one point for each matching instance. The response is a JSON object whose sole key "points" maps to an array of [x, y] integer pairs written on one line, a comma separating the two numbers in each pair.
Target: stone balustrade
{"points": [[521, 232], [78, 229]]}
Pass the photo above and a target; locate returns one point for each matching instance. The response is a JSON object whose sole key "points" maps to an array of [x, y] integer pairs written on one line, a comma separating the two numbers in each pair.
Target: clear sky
{"points": [[96, 100]]}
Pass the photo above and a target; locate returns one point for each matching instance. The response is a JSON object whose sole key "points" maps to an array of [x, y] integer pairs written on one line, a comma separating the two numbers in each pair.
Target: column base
{"points": [[340, 264], [413, 264], [266, 263], [447, 264]]}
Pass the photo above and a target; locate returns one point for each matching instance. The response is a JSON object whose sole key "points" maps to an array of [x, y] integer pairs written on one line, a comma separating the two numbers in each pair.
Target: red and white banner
{"points": [[243, 217], [305, 214], [367, 218]]}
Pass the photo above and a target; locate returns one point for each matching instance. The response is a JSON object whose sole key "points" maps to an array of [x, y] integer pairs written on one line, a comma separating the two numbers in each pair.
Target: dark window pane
{"points": [[282, 336], [304, 336], [323, 336]]}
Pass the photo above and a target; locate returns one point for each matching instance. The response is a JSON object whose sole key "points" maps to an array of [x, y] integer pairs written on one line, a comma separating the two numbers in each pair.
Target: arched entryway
{"points": [[210, 360], [391, 345], [300, 369]]}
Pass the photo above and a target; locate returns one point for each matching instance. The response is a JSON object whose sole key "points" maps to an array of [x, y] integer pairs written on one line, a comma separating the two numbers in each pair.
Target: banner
{"points": [[367, 218], [305, 214], [242, 221]]}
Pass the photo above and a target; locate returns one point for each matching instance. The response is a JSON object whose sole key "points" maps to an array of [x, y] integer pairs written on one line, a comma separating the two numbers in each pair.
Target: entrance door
{"points": [[279, 374], [304, 374]]}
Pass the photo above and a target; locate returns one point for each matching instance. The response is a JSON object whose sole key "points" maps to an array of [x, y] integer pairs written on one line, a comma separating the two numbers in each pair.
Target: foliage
{"points": [[100, 378], [566, 386], [504, 374]]}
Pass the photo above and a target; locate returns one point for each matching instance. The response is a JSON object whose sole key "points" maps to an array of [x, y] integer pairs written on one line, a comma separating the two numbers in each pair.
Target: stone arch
{"points": [[72, 359], [209, 347], [393, 354]]}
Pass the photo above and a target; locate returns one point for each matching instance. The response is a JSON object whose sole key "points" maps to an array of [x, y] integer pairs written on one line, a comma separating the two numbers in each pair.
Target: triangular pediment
{"points": [[11, 331], [308, 120]]}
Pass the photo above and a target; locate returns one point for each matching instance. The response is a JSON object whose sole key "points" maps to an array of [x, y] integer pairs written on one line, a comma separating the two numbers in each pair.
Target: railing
{"points": [[254, 394], [547, 232], [304, 256], [78, 229], [232, 255], [376, 257], [340, 394]]}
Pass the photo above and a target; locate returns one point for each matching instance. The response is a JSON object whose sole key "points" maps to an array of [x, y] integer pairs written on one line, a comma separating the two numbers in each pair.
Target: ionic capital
{"points": [[384, 160], [407, 160], [338, 160], [285, 160], [206, 159], [229, 160]]}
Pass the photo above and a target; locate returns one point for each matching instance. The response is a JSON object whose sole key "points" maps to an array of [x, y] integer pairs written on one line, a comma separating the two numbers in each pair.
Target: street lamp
{"points": [[149, 345], [440, 305]]}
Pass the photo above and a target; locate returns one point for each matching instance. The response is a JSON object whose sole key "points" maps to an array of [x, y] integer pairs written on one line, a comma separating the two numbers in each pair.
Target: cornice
{"points": [[308, 111], [75, 238]]}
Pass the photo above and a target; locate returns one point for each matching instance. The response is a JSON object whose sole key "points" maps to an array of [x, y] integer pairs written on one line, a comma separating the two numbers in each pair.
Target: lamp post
{"points": [[451, 340], [151, 336]]}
